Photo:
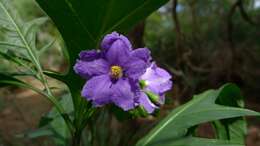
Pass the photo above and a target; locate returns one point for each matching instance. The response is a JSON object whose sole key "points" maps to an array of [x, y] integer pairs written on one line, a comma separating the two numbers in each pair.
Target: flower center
{"points": [[116, 72]]}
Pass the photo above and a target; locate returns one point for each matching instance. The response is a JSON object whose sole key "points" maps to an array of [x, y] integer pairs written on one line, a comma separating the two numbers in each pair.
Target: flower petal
{"points": [[142, 53], [89, 55], [146, 103], [109, 39], [159, 88], [123, 94], [117, 53], [98, 90], [135, 67], [157, 79], [162, 73], [87, 69]]}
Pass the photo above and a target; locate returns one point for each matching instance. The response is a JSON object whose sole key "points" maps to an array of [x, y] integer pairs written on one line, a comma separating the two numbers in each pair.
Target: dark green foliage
{"points": [[202, 108], [82, 24]]}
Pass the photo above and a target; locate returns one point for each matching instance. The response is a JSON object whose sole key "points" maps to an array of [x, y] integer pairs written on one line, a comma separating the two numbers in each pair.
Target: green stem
{"points": [[76, 138]]}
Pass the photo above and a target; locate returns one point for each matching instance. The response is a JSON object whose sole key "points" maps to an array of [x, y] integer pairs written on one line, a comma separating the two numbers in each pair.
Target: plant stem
{"points": [[76, 138]]}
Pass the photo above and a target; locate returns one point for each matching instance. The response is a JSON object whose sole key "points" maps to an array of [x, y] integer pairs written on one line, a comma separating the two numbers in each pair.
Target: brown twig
{"points": [[177, 31], [230, 24], [231, 43], [186, 57], [243, 13], [194, 26]]}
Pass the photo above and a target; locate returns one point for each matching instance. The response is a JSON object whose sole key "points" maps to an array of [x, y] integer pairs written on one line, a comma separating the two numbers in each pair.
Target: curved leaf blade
{"points": [[83, 22], [233, 129], [202, 108], [192, 141]]}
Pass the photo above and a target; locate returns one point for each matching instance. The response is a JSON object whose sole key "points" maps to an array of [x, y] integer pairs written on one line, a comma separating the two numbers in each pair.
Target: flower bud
{"points": [[142, 84], [155, 99], [139, 112]]}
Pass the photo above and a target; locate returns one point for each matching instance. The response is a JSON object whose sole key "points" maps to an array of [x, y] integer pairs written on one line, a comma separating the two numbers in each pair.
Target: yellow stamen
{"points": [[116, 71]]}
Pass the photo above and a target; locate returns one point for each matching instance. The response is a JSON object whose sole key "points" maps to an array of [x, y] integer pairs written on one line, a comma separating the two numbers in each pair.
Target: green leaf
{"points": [[53, 124], [21, 34], [15, 59], [202, 108], [233, 129], [20, 39], [6, 80], [55, 75], [45, 120], [191, 141], [58, 125], [46, 47], [35, 133], [83, 23]]}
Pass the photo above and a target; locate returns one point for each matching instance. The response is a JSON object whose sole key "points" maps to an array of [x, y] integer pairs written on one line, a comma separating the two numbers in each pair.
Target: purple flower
{"points": [[155, 82], [113, 72]]}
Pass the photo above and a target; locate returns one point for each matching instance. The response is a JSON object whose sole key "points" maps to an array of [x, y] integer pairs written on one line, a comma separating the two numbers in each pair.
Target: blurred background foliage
{"points": [[203, 43], [207, 43]]}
